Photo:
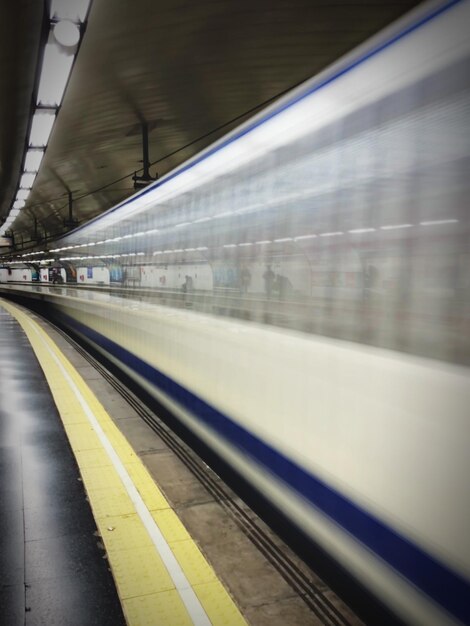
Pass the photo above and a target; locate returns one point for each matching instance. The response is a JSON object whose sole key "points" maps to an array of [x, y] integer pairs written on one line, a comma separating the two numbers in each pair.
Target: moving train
{"points": [[322, 345]]}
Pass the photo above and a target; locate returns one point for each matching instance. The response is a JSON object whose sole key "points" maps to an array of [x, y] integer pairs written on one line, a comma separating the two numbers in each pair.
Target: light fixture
{"points": [[41, 127], [18, 204], [33, 160], [438, 222], [301, 237], [67, 33], [27, 180], [23, 194], [55, 73], [359, 231], [396, 226], [74, 10]]}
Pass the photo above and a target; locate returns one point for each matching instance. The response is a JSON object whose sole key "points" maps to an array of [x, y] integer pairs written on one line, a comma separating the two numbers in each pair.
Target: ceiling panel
{"points": [[188, 68]]}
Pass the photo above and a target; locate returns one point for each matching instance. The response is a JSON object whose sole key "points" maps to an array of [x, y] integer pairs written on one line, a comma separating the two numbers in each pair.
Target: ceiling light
{"points": [[67, 33], [33, 160], [361, 230], [18, 204], [75, 10], [23, 194], [437, 222], [27, 180], [14, 212], [55, 72], [43, 121], [395, 226], [301, 237]]}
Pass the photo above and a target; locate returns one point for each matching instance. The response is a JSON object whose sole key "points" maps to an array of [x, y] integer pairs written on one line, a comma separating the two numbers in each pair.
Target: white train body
{"points": [[353, 419]]}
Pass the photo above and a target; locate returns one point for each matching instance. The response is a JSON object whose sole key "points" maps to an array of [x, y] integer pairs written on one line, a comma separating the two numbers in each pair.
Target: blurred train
{"points": [[321, 347]]}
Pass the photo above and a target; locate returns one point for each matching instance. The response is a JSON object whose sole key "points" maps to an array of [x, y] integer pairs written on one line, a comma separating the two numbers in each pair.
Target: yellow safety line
{"points": [[130, 525]]}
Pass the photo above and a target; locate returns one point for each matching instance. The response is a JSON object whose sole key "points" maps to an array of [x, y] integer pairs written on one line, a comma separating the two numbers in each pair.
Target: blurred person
{"points": [[283, 286], [188, 284], [269, 278], [245, 279]]}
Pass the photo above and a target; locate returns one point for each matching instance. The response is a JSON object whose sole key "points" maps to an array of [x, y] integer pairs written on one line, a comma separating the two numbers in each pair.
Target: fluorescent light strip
{"points": [[55, 73], [396, 226], [302, 237], [333, 234], [23, 194], [283, 239], [438, 222], [33, 160], [361, 230], [74, 10], [41, 127]]}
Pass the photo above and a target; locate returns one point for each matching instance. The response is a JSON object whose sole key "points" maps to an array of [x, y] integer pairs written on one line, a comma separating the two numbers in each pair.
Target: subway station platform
{"points": [[107, 520]]}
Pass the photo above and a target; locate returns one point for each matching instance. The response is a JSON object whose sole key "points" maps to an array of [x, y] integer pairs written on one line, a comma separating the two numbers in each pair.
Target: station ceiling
{"points": [[190, 70]]}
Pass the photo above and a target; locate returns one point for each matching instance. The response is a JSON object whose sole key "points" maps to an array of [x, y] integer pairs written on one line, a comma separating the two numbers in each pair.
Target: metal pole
{"points": [[145, 151]]}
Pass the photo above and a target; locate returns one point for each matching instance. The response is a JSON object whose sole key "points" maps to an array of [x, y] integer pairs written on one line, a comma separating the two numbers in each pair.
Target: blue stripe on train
{"points": [[434, 578]]}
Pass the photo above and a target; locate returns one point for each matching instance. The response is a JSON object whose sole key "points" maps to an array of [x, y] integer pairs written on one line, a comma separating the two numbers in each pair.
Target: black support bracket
{"points": [[70, 222], [142, 181]]}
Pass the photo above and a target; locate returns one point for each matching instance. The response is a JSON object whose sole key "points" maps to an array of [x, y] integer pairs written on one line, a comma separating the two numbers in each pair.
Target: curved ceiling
{"points": [[191, 70]]}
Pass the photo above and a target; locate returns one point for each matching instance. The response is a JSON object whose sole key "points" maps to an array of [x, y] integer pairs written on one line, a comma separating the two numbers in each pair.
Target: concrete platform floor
{"points": [[52, 569], [227, 531]]}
